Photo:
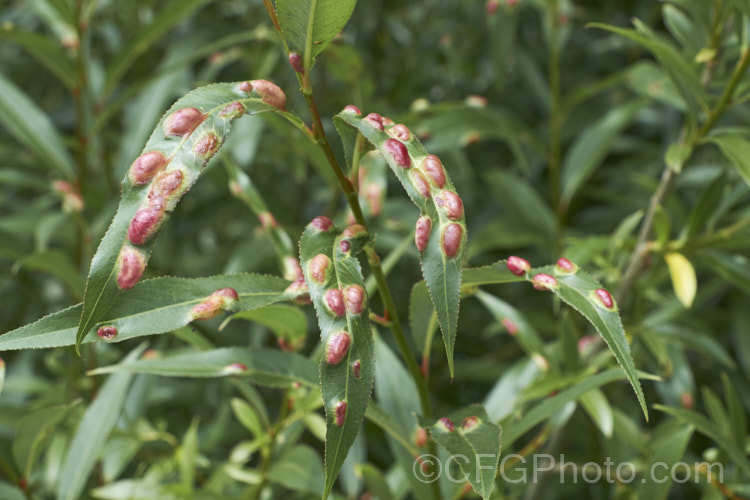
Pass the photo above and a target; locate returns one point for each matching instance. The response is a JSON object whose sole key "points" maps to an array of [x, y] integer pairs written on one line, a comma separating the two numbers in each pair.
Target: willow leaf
{"points": [[178, 149], [152, 307], [441, 229], [337, 289], [266, 367]]}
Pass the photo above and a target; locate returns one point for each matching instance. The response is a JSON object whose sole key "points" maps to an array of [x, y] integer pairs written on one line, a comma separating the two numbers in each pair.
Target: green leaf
{"points": [[592, 146], [11, 492], [188, 456], [649, 80], [375, 481], [441, 272], [422, 318], [735, 268], [553, 405], [266, 367], [154, 306], [298, 469], [378, 416], [669, 445], [704, 426], [23, 119], [737, 150], [57, 263], [2, 374], [509, 316], [173, 13], [683, 278], [577, 289], [681, 72], [288, 323], [309, 25], [330, 266], [596, 405], [46, 51], [474, 440], [102, 287], [494, 274], [248, 417], [91, 435], [33, 430]]}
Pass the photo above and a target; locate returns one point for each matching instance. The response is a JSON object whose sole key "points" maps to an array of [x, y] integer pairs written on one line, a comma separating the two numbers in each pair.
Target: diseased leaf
{"points": [[91, 435], [441, 229], [469, 434], [493, 274], [309, 25], [266, 367], [337, 290], [154, 306], [23, 119], [683, 278], [173, 159], [588, 297]]}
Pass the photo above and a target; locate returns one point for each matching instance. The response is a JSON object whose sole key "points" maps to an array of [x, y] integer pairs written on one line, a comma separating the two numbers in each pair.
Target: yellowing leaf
{"points": [[683, 278]]}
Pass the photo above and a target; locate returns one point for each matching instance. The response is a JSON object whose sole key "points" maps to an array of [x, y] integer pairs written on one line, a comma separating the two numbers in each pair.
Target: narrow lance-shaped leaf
{"points": [[587, 296], [440, 232], [474, 441], [154, 306], [92, 433], [337, 289], [309, 25], [266, 367], [186, 138]]}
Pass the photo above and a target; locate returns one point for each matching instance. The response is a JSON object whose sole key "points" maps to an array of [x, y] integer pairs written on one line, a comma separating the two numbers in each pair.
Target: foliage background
{"points": [[105, 82]]}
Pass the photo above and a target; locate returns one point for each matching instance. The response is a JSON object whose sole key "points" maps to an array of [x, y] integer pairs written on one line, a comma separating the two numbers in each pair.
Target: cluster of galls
{"points": [[428, 179], [467, 424], [547, 282]]}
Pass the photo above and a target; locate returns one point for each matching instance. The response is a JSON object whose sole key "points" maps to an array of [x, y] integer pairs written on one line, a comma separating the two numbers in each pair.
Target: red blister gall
{"points": [[322, 223], [386, 121], [335, 301], [422, 232], [510, 325], [183, 121], [420, 439], [400, 132], [452, 236], [543, 282], [451, 203], [144, 224], [235, 368], [340, 413], [356, 368], [292, 269], [446, 423], [295, 60], [165, 186], [131, 265], [345, 246], [351, 108], [354, 231], [398, 152], [207, 146], [214, 304], [518, 266], [318, 268], [107, 332], [337, 347], [269, 92], [564, 266], [433, 167], [420, 183], [354, 296], [605, 298], [146, 166], [233, 110], [267, 220], [375, 120], [469, 423]]}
